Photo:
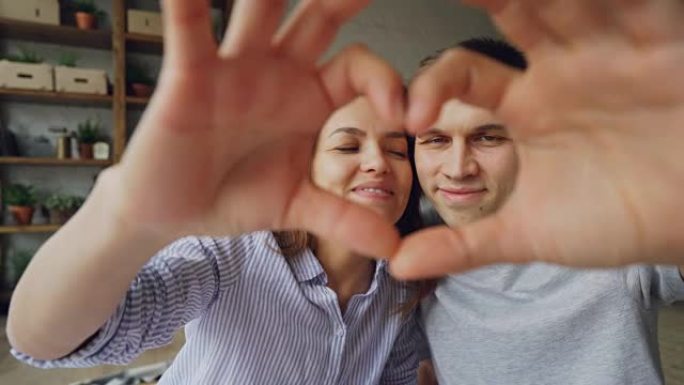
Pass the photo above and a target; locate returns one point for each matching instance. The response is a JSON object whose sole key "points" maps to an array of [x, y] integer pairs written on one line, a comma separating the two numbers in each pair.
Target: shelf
{"points": [[31, 229], [16, 95], [27, 161], [54, 34], [145, 43], [137, 102]]}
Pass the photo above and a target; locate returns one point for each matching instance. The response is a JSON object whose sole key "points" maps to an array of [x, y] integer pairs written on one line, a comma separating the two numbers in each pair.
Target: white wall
{"points": [[405, 31]]}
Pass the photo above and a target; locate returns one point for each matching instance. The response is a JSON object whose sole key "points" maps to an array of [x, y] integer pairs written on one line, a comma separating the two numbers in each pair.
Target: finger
{"points": [[439, 251], [339, 220], [460, 74], [565, 21], [521, 26], [252, 26], [357, 71], [647, 22], [188, 39], [313, 26]]}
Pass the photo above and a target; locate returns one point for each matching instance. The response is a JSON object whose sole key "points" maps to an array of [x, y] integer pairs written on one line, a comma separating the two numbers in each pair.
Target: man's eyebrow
{"points": [[489, 127], [348, 130], [432, 131]]}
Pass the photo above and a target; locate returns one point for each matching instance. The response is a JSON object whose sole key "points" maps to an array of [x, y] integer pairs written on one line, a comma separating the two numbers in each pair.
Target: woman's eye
{"points": [[347, 149], [399, 154]]}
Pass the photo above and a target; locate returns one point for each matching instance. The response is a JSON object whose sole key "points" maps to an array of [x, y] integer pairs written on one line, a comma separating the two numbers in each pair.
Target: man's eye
{"points": [[489, 139], [434, 140]]}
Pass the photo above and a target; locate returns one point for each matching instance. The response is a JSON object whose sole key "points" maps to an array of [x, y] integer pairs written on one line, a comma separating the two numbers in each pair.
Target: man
{"points": [[527, 324]]}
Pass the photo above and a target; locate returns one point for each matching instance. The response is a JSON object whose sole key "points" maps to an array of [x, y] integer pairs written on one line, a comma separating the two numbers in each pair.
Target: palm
{"points": [[225, 145], [209, 134], [599, 182]]}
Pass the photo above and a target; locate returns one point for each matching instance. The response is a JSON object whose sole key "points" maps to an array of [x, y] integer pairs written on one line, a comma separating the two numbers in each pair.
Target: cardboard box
{"points": [[80, 80], [144, 22], [37, 11], [26, 76]]}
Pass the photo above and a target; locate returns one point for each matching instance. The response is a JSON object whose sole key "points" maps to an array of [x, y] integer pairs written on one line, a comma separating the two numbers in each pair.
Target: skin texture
{"points": [[466, 163], [356, 150]]}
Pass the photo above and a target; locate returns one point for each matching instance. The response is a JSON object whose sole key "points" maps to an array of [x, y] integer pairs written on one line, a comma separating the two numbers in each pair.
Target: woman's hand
{"points": [[225, 145]]}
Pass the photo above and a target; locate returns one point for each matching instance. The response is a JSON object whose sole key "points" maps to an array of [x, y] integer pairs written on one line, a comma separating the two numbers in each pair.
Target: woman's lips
{"points": [[373, 193]]}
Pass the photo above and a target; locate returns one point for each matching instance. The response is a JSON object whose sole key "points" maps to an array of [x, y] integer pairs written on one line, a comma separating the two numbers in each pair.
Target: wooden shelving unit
{"points": [[33, 229], [144, 43], [64, 35], [117, 41], [61, 98], [27, 161]]}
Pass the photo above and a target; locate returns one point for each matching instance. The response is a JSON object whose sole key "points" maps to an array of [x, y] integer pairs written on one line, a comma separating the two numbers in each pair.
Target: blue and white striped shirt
{"points": [[255, 317]]}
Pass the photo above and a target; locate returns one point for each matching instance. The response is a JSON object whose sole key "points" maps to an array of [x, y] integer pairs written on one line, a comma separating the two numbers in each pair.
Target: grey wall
{"points": [[402, 31]]}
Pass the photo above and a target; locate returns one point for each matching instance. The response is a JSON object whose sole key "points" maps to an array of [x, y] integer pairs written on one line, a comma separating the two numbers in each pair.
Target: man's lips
{"points": [[461, 194]]}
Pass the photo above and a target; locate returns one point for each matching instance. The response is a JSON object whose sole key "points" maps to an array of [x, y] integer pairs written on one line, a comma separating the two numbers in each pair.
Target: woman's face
{"points": [[358, 158]]}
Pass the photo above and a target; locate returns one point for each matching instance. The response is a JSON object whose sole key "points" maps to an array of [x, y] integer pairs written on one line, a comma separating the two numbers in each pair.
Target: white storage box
{"points": [[80, 80], [37, 11], [144, 22], [26, 76]]}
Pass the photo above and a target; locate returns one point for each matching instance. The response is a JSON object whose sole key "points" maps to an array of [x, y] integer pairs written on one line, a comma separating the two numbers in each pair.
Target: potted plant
{"points": [[137, 76], [24, 56], [17, 263], [86, 13], [20, 199], [87, 133], [62, 207], [68, 59]]}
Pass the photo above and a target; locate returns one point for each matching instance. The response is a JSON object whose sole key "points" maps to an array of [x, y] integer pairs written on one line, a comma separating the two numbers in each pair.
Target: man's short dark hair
{"points": [[496, 49]]}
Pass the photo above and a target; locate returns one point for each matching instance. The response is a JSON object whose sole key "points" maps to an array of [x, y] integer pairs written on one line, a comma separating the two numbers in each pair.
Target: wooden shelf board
{"points": [[54, 34], [31, 229], [137, 102], [17, 95], [145, 43], [27, 161]]}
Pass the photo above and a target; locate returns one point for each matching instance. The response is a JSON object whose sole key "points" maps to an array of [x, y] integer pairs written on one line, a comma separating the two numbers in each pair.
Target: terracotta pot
{"points": [[60, 217], [86, 20], [142, 90], [23, 215], [85, 150]]}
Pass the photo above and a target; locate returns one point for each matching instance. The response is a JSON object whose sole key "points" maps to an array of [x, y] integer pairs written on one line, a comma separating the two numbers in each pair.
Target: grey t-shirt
{"points": [[544, 324]]}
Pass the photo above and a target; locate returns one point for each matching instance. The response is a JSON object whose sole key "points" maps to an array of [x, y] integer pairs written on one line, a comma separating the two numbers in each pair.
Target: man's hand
{"points": [[599, 122]]}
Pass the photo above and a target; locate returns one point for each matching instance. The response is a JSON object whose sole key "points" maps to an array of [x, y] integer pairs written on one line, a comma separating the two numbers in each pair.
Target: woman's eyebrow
{"points": [[348, 130]]}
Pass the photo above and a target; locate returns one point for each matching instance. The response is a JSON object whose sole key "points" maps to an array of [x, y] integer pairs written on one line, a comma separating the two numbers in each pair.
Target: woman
{"points": [[267, 308]]}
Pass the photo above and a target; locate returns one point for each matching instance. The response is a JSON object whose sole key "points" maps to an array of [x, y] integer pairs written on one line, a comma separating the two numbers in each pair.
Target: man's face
{"points": [[467, 164]]}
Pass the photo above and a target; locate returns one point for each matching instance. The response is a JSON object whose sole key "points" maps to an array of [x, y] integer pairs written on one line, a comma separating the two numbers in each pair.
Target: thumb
{"points": [[331, 217], [439, 251]]}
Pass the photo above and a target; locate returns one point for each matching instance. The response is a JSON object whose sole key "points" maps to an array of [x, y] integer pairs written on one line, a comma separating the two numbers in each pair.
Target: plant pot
{"points": [[142, 90], [60, 217], [23, 215], [85, 150], [86, 20]]}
